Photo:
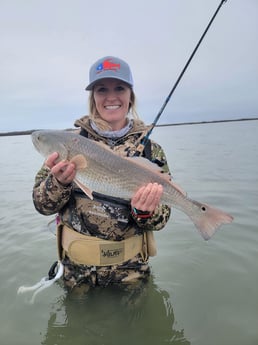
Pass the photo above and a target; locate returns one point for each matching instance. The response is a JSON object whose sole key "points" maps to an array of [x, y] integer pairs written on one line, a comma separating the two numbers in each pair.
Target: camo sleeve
{"points": [[49, 196], [162, 213]]}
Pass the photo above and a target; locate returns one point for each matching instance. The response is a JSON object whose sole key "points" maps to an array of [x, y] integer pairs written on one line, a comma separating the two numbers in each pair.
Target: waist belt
{"points": [[93, 251]]}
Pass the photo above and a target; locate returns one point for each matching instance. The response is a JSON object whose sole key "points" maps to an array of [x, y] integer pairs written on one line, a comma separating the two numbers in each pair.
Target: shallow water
{"points": [[200, 293]]}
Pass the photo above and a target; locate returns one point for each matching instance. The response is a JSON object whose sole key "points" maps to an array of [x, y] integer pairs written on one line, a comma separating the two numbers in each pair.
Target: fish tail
{"points": [[209, 219]]}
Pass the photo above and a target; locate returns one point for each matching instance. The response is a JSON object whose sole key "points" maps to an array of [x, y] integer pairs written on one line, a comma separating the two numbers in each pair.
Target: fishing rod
{"points": [[144, 140]]}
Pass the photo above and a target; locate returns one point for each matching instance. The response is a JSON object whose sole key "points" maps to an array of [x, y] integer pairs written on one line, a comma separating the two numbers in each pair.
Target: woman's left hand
{"points": [[147, 198]]}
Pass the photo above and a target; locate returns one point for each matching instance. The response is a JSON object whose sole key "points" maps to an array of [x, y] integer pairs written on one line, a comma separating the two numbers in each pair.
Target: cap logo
{"points": [[107, 65]]}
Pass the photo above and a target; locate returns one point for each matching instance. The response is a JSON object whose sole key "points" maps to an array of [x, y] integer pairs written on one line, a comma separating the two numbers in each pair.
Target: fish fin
{"points": [[154, 167], [79, 161], [178, 188], [86, 190], [209, 220], [175, 185], [146, 163], [167, 176]]}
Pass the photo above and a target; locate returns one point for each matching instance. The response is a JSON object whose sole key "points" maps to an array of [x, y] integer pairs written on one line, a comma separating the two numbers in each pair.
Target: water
{"points": [[201, 293]]}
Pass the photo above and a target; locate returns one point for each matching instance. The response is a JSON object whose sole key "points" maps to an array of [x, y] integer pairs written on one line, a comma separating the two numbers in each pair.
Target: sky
{"points": [[47, 48]]}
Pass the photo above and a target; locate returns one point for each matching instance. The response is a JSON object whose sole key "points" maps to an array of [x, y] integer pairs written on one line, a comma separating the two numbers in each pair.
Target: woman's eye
{"points": [[120, 88], [101, 89]]}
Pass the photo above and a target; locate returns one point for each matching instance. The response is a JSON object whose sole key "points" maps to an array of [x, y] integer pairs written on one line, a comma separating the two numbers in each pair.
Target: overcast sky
{"points": [[48, 46]]}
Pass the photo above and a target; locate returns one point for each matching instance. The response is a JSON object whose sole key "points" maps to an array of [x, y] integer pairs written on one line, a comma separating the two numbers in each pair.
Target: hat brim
{"points": [[91, 85]]}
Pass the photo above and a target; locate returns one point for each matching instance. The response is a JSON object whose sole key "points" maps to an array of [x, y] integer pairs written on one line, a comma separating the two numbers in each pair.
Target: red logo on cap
{"points": [[107, 65]]}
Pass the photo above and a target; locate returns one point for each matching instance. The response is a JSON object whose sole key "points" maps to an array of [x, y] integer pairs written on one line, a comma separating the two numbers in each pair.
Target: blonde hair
{"points": [[102, 124]]}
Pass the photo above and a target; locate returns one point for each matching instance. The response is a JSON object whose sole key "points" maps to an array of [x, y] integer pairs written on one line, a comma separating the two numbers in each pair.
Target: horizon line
{"points": [[30, 131]]}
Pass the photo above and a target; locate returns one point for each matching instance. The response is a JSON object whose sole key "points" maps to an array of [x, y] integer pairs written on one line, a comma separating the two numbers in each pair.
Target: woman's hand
{"points": [[63, 171], [147, 198]]}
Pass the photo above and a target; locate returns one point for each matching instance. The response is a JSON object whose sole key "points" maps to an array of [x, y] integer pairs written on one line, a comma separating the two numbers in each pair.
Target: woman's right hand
{"points": [[63, 171]]}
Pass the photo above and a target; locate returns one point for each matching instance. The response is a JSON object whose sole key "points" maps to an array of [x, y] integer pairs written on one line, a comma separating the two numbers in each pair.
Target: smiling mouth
{"points": [[112, 107]]}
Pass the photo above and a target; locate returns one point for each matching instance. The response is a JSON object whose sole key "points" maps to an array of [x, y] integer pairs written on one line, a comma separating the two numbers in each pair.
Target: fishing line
{"points": [[144, 141]]}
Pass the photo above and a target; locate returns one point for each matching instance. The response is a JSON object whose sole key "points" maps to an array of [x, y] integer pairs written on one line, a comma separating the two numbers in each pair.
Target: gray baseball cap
{"points": [[110, 67]]}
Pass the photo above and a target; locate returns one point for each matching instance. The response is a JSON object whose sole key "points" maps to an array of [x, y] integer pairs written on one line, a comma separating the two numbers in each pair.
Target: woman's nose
{"points": [[111, 94]]}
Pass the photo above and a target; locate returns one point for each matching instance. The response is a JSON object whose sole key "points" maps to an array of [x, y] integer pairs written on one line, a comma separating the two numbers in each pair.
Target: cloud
{"points": [[47, 49]]}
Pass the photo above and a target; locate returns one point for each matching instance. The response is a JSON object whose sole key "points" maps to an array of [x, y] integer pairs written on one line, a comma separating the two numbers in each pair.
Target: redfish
{"points": [[101, 170]]}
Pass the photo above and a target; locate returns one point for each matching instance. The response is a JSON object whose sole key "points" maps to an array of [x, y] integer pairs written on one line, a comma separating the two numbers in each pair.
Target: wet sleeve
{"points": [[161, 215], [49, 196]]}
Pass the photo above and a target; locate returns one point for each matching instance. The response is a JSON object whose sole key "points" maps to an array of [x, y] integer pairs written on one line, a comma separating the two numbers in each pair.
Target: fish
{"points": [[100, 169]]}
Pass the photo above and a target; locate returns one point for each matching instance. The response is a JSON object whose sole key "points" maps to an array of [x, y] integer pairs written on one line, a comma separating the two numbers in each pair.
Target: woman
{"points": [[87, 226]]}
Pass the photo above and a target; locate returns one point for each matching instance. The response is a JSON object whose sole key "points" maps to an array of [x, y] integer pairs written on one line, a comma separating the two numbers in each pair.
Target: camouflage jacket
{"points": [[101, 217]]}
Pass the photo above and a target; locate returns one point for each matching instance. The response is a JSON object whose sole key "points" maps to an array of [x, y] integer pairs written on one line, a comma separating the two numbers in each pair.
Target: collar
{"points": [[112, 134]]}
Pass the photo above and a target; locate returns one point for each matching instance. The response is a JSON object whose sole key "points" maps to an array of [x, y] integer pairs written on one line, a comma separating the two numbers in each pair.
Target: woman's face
{"points": [[112, 98]]}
